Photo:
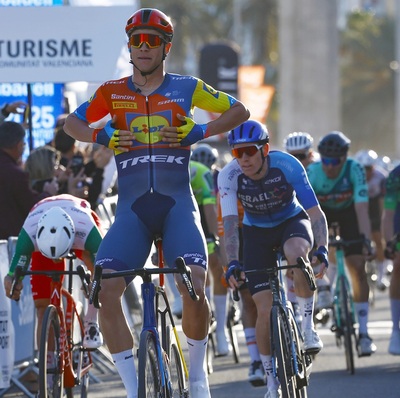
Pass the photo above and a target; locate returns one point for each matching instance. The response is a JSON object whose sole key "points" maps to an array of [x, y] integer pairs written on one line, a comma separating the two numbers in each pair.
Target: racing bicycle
{"points": [[63, 361], [291, 365], [344, 320], [162, 370]]}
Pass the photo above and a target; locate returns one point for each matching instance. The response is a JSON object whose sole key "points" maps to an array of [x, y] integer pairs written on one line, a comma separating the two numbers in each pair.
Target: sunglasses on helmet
{"points": [[331, 161], [151, 40], [248, 150]]}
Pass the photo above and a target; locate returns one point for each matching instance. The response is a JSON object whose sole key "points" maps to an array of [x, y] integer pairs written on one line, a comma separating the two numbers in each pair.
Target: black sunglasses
{"points": [[300, 156]]}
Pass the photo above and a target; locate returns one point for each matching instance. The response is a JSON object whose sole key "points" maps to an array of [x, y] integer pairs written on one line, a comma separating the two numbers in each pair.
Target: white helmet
{"points": [[366, 157], [298, 141], [205, 154], [55, 233]]}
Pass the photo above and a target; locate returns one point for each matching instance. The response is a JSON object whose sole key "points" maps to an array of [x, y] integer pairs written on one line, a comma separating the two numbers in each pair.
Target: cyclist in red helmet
{"points": [[151, 130]]}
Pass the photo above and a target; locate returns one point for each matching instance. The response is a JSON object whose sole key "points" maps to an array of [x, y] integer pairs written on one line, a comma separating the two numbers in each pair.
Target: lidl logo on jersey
{"points": [[146, 129]]}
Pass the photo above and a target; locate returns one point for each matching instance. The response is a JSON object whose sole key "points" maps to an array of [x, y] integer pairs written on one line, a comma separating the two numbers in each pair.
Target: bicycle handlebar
{"points": [[144, 273], [81, 270]]}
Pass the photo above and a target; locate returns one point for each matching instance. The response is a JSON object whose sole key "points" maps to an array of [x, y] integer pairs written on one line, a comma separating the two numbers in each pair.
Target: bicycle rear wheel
{"points": [[347, 324], [281, 349], [149, 372], [50, 356]]}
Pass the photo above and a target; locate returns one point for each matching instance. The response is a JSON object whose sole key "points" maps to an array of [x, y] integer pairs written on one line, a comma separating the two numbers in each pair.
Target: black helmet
{"points": [[334, 145]]}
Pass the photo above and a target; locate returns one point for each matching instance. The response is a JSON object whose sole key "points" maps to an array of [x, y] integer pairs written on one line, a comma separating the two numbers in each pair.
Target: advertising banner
{"points": [[61, 44]]}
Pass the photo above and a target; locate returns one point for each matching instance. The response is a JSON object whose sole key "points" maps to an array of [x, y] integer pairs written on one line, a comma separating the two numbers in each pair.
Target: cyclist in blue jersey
{"points": [[280, 209], [151, 130], [341, 188], [391, 234]]}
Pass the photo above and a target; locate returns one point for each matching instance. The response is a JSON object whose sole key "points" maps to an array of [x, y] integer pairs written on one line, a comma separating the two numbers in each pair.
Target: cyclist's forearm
{"points": [[364, 225], [319, 226], [78, 129], [231, 234]]}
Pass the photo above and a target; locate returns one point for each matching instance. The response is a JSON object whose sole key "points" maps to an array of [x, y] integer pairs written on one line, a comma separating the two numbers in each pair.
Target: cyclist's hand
{"points": [[320, 256], [235, 275], [109, 136], [390, 250], [8, 281], [189, 133]]}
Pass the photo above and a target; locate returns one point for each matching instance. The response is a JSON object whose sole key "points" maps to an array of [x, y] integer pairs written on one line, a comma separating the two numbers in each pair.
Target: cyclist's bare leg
{"points": [[112, 319], [196, 314], [356, 267], [294, 248], [263, 301]]}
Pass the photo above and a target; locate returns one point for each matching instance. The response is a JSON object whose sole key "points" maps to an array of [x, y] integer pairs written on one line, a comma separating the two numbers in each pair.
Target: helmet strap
{"points": [[263, 160]]}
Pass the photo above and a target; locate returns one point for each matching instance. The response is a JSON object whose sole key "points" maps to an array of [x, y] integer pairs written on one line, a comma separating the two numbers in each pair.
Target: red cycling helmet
{"points": [[150, 18]]}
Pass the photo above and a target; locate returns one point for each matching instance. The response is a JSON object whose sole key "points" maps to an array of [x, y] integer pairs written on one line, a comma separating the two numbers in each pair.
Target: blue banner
{"points": [[47, 104]]}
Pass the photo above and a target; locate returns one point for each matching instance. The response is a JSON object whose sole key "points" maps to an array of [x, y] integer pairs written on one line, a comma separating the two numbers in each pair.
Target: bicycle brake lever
{"points": [[186, 274], [96, 287], [84, 275], [308, 273]]}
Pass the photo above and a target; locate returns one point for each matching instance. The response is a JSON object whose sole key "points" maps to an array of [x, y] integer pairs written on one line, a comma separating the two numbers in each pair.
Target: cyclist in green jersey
{"points": [[391, 234], [341, 188]]}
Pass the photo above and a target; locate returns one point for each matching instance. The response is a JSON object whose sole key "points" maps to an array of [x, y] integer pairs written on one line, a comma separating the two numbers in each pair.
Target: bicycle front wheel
{"points": [[50, 356], [347, 324], [175, 363], [149, 369], [282, 351]]}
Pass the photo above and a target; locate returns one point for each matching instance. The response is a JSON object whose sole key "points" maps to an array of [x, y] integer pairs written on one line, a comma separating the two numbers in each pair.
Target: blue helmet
{"points": [[250, 131]]}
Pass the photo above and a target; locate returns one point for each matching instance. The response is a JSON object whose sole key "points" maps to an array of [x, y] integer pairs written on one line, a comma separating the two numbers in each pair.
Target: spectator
{"points": [[16, 195], [17, 107]]}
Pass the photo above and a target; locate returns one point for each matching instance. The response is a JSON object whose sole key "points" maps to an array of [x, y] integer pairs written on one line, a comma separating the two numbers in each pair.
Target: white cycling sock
{"points": [[125, 363], [250, 336], [362, 316], [266, 360], [197, 354], [220, 311], [306, 309]]}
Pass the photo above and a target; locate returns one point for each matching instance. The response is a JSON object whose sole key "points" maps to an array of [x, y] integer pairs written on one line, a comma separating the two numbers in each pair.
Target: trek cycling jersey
{"points": [[87, 233], [281, 194], [349, 187], [154, 195], [392, 196]]}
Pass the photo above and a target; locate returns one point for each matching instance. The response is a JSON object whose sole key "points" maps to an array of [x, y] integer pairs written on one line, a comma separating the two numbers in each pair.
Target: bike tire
{"points": [[80, 357], [176, 372], [281, 349], [149, 369], [50, 377], [347, 324], [303, 363], [230, 324]]}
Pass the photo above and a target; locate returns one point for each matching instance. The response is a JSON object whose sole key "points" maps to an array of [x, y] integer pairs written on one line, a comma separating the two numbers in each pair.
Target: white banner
{"points": [[61, 44]]}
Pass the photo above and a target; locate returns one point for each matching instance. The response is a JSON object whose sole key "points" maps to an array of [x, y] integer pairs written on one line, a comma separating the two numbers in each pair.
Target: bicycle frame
{"points": [[154, 318], [58, 292]]}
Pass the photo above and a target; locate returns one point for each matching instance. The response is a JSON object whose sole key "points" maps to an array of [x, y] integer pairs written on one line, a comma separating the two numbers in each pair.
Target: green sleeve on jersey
{"points": [[207, 98], [392, 195], [23, 252], [359, 180], [93, 242], [202, 183]]}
